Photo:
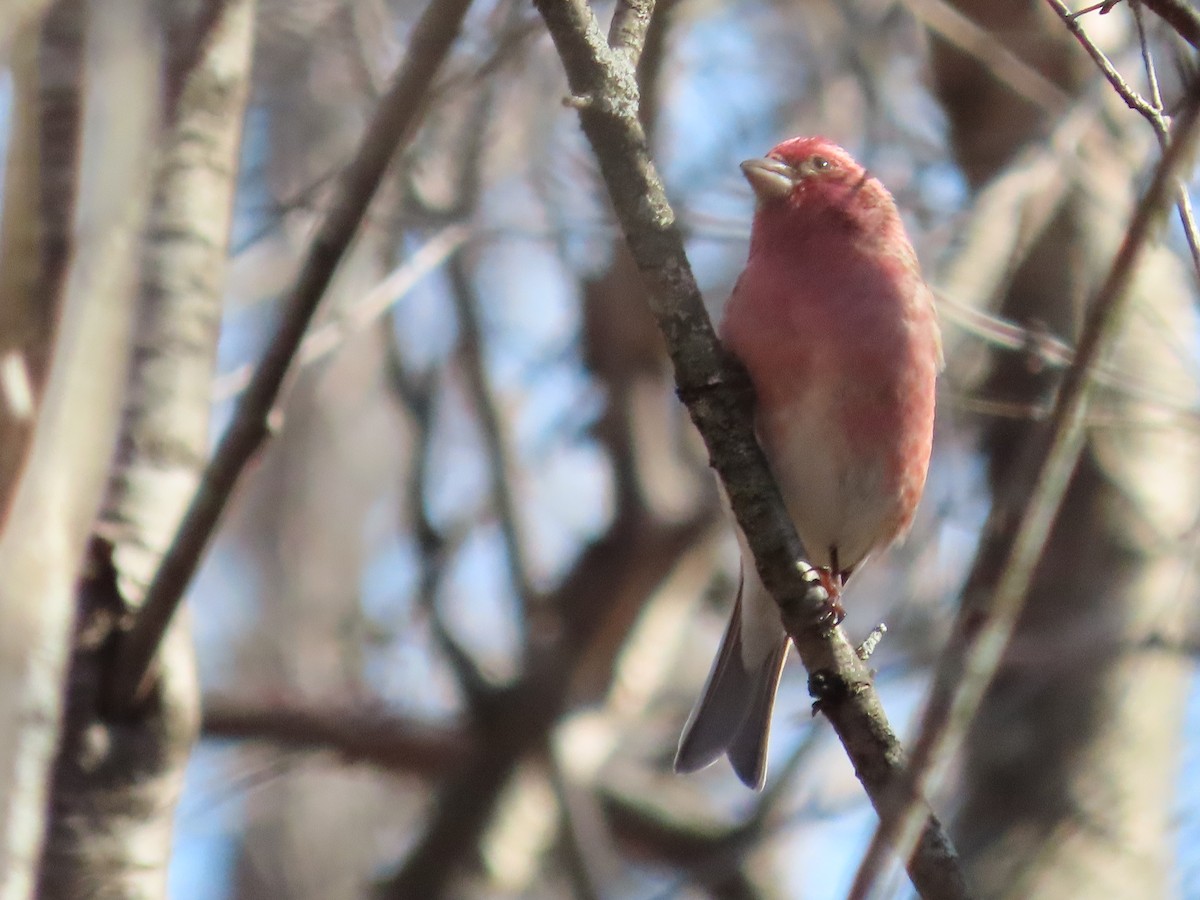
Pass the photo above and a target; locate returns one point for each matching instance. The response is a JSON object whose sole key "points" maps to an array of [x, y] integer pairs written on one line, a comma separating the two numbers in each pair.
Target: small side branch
{"points": [[630, 22]]}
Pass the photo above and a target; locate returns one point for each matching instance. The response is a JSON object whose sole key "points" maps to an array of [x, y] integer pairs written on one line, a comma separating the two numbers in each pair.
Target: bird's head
{"points": [[813, 180]]}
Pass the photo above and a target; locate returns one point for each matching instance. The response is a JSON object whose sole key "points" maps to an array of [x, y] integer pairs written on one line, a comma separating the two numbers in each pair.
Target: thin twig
{"points": [[398, 112], [1151, 110], [1186, 217], [1043, 350], [1105, 7], [606, 96], [323, 340], [1147, 61], [1132, 98], [967, 668]]}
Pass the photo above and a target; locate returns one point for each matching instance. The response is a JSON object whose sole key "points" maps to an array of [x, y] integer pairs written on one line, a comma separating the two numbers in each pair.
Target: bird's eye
{"points": [[819, 163]]}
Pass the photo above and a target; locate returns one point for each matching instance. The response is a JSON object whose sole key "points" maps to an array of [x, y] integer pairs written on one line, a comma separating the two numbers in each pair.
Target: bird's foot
{"points": [[832, 613]]}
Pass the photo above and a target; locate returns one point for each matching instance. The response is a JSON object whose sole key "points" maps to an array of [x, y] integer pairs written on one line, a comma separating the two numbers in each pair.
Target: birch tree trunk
{"points": [[73, 422], [116, 781]]}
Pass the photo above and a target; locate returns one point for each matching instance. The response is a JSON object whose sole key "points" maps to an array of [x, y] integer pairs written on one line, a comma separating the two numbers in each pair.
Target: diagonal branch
{"points": [[1132, 98], [398, 112], [330, 335], [715, 391]]}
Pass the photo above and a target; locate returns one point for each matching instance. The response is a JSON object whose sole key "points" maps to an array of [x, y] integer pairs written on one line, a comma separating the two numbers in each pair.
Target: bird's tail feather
{"points": [[733, 715]]}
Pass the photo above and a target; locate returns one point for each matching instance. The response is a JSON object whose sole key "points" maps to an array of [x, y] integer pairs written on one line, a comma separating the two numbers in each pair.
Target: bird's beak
{"points": [[770, 178]]}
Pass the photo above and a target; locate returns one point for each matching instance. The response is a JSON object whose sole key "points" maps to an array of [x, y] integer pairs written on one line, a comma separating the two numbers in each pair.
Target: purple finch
{"points": [[837, 329]]}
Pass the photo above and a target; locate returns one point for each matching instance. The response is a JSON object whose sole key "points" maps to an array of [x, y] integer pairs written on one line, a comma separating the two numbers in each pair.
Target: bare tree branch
{"points": [[1045, 351], [1139, 20], [574, 632], [393, 124], [607, 98], [327, 337], [356, 734], [418, 398], [471, 351]]}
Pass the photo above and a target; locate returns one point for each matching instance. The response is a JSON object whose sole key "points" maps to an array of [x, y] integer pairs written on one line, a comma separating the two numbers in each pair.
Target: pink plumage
{"points": [[837, 329]]}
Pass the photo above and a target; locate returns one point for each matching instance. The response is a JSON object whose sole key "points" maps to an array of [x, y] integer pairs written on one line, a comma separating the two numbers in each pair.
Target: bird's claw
{"points": [[832, 612]]}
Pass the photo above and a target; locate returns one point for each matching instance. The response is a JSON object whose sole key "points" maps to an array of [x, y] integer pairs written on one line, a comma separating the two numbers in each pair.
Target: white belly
{"points": [[836, 495]]}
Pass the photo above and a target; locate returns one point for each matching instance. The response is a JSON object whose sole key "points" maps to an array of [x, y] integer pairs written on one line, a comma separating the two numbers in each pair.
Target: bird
{"points": [[837, 330]]}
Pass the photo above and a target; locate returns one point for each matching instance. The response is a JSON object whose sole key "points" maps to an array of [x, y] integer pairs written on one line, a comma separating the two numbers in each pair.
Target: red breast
{"points": [[838, 332]]}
